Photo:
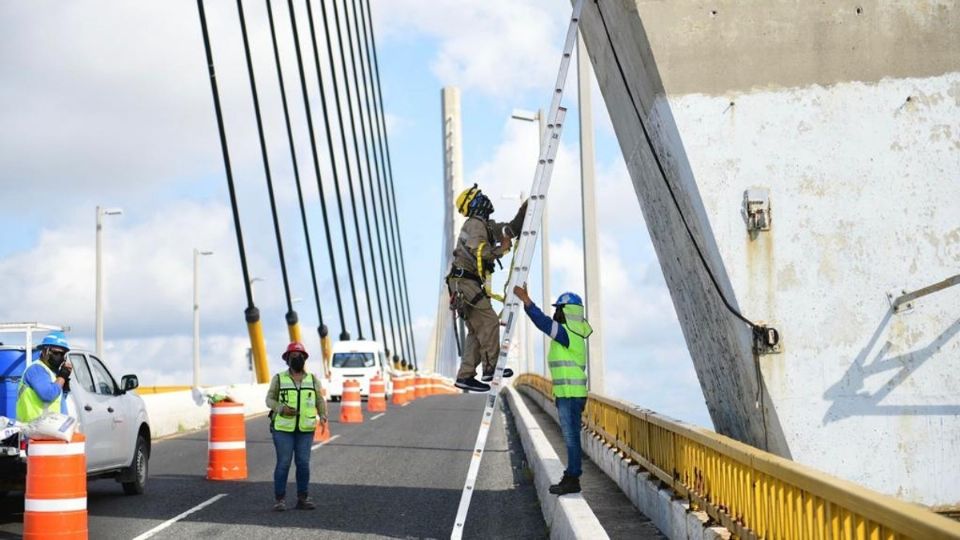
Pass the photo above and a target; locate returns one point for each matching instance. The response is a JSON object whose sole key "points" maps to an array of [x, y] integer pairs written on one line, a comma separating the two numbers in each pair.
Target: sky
{"points": [[108, 103]]}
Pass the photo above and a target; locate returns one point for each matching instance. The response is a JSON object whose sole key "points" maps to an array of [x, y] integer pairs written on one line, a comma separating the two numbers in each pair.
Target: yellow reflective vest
{"points": [[568, 365], [304, 399]]}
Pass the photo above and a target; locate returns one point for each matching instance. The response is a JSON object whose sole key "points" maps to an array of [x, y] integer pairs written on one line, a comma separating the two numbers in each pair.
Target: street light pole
{"points": [[98, 322], [196, 317], [541, 120]]}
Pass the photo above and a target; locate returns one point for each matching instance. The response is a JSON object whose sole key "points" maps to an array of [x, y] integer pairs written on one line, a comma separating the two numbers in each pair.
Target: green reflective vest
{"points": [[568, 365], [304, 399], [29, 405]]}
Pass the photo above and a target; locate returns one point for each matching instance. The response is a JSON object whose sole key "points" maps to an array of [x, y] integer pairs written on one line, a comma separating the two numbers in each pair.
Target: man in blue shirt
{"points": [[567, 359], [45, 383]]}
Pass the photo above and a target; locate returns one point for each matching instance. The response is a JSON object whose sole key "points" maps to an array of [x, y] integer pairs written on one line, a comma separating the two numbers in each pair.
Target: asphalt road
{"points": [[399, 476]]}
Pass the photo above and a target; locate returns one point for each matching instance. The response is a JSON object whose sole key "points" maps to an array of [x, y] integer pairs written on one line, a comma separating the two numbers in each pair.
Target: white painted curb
{"points": [[670, 515], [170, 413], [569, 516]]}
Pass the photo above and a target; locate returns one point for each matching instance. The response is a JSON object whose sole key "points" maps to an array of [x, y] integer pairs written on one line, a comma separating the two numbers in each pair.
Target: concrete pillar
{"points": [[591, 239]]}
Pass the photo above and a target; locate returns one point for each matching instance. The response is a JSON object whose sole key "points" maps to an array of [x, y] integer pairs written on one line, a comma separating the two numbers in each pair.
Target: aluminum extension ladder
{"points": [[526, 244]]}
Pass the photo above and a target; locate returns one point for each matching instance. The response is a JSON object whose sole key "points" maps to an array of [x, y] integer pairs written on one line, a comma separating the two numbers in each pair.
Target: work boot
{"points": [[305, 503], [488, 375], [472, 384], [279, 506], [568, 484]]}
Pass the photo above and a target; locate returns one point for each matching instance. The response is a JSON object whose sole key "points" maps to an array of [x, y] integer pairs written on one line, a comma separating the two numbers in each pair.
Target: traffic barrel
{"points": [[227, 445], [399, 390], [322, 432], [377, 398], [55, 502], [420, 388], [350, 403]]}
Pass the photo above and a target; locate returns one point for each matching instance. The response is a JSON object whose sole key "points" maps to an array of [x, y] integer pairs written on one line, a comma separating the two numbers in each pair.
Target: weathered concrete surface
{"points": [[852, 121]]}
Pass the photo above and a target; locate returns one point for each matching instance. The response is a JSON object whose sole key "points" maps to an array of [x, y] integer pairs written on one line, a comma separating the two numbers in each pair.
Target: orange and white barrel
{"points": [[420, 388], [399, 389], [377, 398], [227, 445], [55, 502], [350, 412]]}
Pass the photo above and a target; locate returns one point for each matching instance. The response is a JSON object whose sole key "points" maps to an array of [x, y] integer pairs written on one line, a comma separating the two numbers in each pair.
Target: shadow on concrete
{"points": [[850, 397]]}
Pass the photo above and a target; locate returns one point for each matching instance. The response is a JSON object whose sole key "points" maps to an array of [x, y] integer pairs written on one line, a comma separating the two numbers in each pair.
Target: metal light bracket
{"points": [[766, 340], [756, 209]]}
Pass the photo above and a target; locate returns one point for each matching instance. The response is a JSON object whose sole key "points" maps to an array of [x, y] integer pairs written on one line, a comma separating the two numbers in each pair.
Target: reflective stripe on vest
{"points": [[302, 398], [29, 405]]}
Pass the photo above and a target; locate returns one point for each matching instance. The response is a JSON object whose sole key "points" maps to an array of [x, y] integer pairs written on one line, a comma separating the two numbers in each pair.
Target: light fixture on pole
{"points": [[541, 119], [252, 281], [196, 317], [98, 322]]}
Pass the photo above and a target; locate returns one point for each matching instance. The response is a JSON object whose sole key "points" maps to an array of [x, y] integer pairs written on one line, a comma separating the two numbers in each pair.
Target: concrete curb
{"points": [[176, 413], [671, 515], [570, 516]]}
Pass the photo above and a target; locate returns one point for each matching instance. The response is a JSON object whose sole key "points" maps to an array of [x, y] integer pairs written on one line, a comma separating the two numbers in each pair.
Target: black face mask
{"points": [[55, 359], [296, 363], [559, 316]]}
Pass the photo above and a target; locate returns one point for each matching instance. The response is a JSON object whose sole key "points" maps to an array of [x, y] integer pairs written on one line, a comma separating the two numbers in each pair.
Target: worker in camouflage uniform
{"points": [[480, 246]]}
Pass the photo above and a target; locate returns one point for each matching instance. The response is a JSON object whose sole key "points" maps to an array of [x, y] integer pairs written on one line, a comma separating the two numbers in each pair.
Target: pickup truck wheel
{"points": [[138, 469]]}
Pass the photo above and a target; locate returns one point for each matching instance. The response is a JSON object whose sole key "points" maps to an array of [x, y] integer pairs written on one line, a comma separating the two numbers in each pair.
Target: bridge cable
{"points": [[346, 155], [390, 218], [663, 174], [333, 166], [344, 334], [366, 153], [322, 328], [399, 241], [291, 316], [251, 313], [371, 148]]}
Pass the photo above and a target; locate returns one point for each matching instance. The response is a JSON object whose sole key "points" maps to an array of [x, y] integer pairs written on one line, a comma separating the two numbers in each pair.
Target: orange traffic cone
{"points": [[420, 388], [377, 398], [399, 390], [350, 403], [55, 502], [322, 433], [227, 446]]}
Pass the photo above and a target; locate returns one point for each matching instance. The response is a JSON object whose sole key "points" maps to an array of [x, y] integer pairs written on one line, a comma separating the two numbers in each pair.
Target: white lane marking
{"points": [[331, 439], [169, 522], [377, 416]]}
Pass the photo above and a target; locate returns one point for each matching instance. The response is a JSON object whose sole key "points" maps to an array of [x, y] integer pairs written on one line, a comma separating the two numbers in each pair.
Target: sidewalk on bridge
{"points": [[618, 516]]}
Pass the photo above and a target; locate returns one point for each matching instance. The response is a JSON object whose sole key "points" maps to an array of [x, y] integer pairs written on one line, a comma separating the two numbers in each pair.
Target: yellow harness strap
{"points": [[483, 275]]}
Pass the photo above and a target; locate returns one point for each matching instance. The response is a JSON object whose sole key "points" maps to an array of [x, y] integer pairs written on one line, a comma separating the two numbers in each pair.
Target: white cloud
{"points": [[497, 47]]}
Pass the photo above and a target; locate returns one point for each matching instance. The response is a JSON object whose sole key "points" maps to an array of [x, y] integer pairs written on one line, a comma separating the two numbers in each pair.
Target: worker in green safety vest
{"points": [[567, 359], [296, 407], [44, 384]]}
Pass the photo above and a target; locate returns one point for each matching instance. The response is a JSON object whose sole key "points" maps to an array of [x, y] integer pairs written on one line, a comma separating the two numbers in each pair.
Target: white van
{"points": [[360, 361]]}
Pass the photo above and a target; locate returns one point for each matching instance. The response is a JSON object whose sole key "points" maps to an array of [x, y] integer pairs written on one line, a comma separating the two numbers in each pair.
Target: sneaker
{"points": [[472, 385], [279, 506], [487, 377], [305, 503], [567, 484]]}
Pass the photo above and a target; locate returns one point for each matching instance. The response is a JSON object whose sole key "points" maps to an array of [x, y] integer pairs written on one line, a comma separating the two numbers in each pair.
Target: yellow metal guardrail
{"points": [[144, 390], [754, 494]]}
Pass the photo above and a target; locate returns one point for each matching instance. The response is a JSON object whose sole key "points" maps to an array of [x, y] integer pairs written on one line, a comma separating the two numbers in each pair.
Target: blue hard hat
{"points": [[569, 298], [55, 339]]}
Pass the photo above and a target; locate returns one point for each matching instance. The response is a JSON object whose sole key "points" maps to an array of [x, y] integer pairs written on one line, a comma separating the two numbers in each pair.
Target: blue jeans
{"points": [[289, 445], [570, 410]]}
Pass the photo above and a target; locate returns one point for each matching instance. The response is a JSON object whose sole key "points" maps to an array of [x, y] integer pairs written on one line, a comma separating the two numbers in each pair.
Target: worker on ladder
{"points": [[567, 359], [480, 246]]}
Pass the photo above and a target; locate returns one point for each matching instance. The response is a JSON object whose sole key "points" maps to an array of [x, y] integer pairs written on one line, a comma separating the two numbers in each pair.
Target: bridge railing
{"points": [[752, 493]]}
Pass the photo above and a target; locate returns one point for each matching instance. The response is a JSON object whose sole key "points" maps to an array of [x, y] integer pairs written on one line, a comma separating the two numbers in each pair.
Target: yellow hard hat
{"points": [[465, 198]]}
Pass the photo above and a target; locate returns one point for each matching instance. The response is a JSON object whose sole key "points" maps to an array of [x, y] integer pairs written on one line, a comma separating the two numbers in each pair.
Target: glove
{"points": [[66, 386], [64, 372], [516, 224]]}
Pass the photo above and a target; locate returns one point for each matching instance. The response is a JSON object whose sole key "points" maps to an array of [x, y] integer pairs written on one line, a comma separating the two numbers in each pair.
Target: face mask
{"points": [[297, 363], [55, 360], [558, 315]]}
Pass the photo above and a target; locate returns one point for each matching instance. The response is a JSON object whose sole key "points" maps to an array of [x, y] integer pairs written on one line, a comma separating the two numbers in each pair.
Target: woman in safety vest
{"points": [[296, 405], [567, 359]]}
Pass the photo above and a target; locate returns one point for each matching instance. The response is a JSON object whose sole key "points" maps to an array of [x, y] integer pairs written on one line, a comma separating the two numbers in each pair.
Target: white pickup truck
{"points": [[113, 419]]}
